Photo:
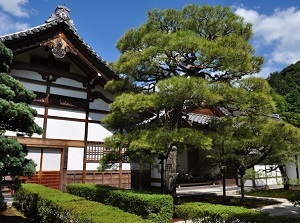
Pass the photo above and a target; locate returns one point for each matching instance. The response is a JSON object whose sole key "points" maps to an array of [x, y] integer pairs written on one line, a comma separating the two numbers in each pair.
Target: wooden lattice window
{"points": [[96, 151]]}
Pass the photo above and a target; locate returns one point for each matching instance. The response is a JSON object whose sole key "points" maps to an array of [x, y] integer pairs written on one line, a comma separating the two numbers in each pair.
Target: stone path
{"points": [[283, 208]]}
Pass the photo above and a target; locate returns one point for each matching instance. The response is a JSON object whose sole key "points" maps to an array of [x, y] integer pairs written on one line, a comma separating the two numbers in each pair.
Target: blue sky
{"points": [[276, 23]]}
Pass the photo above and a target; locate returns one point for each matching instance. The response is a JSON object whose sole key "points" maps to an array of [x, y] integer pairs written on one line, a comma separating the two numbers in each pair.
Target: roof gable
{"points": [[59, 35]]}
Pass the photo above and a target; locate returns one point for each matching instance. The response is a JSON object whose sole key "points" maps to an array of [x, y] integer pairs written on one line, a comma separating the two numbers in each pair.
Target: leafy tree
{"points": [[286, 83], [253, 137], [168, 64], [17, 116]]}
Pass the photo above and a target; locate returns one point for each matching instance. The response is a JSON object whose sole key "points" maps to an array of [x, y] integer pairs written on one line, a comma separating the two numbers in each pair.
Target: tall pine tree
{"points": [[169, 64]]}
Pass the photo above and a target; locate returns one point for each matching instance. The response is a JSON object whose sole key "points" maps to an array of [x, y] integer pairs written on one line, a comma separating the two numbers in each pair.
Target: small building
{"points": [[68, 78]]}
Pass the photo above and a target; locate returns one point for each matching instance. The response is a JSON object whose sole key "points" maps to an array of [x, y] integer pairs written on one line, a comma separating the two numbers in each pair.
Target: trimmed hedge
{"points": [[204, 212], [48, 205], [155, 207]]}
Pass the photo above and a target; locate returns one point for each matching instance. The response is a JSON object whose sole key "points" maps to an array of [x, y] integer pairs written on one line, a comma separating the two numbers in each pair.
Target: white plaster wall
{"points": [[35, 155], [51, 159], [59, 129], [268, 176], [67, 92], [93, 166], [155, 173], [291, 170], [96, 116], [99, 104], [26, 74], [75, 158], [40, 110], [97, 132], [35, 87], [69, 82], [38, 121], [58, 112], [103, 91]]}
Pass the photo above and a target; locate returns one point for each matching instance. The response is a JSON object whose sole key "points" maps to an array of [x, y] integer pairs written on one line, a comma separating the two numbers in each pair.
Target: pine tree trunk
{"points": [[170, 172], [242, 188], [285, 177]]}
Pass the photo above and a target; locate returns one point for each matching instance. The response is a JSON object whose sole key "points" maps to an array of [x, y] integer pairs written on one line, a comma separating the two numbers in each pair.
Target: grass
{"points": [[276, 193]]}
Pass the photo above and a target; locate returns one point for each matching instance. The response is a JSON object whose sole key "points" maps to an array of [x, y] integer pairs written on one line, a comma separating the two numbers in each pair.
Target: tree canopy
{"points": [[253, 136], [201, 41], [175, 60], [286, 85]]}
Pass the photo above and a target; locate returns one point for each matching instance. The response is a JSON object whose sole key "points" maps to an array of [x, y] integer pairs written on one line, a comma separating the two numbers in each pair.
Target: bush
{"points": [[155, 207], [48, 205], [204, 212]]}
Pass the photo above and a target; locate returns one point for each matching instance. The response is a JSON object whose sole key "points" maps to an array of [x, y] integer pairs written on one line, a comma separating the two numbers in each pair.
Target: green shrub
{"points": [[155, 207], [48, 205], [204, 212]]}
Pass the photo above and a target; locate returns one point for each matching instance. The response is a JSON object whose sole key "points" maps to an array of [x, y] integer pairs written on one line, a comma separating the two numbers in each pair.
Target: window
{"points": [[96, 151]]}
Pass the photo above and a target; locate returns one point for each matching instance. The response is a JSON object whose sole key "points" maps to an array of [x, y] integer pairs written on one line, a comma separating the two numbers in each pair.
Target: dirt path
{"points": [[11, 215]]}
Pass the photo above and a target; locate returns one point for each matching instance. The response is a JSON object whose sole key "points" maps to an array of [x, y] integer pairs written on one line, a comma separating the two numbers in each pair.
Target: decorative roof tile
{"points": [[61, 15]]}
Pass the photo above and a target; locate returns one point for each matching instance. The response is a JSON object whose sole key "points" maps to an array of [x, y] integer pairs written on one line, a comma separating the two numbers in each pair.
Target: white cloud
{"points": [[9, 26], [15, 7], [277, 35]]}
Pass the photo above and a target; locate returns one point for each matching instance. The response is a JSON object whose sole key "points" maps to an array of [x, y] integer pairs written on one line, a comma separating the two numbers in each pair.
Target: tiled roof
{"points": [[61, 15], [199, 118]]}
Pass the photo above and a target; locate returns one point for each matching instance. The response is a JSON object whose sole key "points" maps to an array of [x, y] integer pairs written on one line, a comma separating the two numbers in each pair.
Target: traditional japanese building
{"points": [[68, 78]]}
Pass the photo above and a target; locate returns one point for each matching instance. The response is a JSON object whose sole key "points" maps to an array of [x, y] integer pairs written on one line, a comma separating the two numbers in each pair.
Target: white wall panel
{"points": [[69, 82], [97, 132], [35, 155], [291, 170], [26, 74], [35, 87], [92, 166], [103, 91], [59, 129], [38, 121], [51, 159], [40, 109], [96, 116], [99, 104], [10, 133], [66, 113], [68, 92], [75, 158]]}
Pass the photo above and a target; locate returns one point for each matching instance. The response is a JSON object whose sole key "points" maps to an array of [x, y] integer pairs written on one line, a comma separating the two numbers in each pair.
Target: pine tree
{"points": [[16, 116]]}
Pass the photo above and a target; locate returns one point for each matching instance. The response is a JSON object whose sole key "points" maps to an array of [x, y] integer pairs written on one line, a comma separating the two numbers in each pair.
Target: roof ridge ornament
{"points": [[59, 46], [62, 13]]}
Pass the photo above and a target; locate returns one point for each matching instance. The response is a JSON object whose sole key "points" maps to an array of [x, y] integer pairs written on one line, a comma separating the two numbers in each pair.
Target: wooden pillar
{"points": [[64, 169], [49, 80], [41, 166], [87, 114], [120, 169]]}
